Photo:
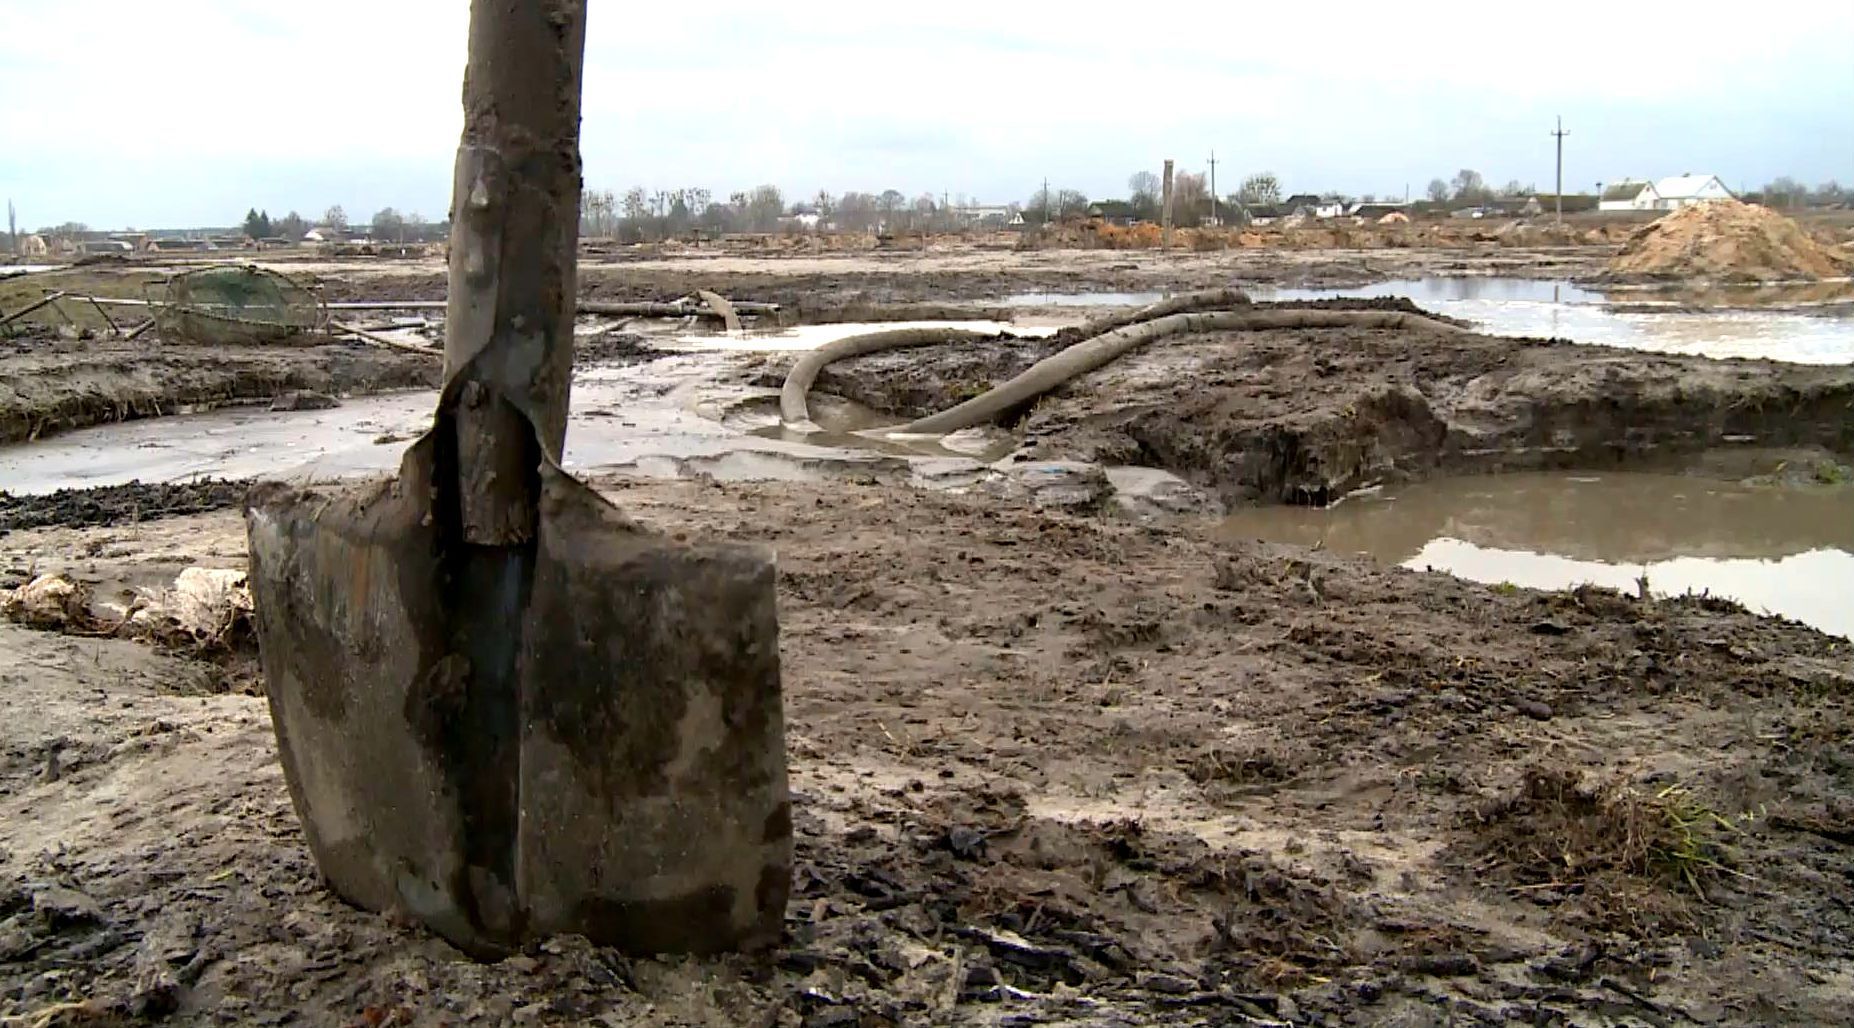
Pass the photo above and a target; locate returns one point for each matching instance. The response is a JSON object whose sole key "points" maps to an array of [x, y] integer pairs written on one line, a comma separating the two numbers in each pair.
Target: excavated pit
{"points": [[1305, 416]]}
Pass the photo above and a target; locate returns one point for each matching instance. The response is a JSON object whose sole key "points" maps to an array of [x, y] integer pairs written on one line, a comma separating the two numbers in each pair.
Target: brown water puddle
{"points": [[1782, 551]]}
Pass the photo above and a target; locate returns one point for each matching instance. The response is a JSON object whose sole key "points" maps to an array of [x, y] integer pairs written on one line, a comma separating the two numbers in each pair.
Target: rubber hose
{"points": [[793, 407], [1086, 356]]}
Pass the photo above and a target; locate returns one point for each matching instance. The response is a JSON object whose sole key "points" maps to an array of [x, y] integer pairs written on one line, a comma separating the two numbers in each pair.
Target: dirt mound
{"points": [[116, 504], [1727, 240]]}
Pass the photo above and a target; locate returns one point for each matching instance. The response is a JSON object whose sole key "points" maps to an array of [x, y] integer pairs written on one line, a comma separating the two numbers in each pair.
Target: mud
{"points": [[1046, 769], [861, 287], [1307, 416], [118, 504], [51, 384]]}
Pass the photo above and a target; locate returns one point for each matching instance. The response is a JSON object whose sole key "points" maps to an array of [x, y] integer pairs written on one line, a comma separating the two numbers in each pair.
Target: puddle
{"points": [[1540, 308], [1781, 551], [675, 415], [1811, 323], [810, 337]]}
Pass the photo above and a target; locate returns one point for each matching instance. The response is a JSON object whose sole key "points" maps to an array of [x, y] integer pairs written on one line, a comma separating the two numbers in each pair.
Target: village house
{"points": [[1664, 194]]}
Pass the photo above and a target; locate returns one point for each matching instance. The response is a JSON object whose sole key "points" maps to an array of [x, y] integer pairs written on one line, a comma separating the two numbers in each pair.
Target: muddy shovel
{"points": [[503, 710]]}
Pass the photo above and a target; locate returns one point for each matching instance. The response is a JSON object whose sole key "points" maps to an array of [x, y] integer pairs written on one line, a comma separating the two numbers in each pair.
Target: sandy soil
{"points": [[1058, 767]]}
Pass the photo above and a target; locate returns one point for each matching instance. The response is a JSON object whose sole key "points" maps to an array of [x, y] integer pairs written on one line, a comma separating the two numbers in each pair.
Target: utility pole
{"points": [[12, 229], [1560, 133], [1165, 208], [1214, 219], [1045, 199]]}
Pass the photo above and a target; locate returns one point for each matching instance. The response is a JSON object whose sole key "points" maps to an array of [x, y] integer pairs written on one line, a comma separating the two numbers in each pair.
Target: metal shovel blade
{"points": [[583, 734]]}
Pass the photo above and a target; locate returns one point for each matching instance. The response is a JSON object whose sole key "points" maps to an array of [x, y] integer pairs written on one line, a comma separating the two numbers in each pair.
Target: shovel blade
{"points": [[624, 778]]}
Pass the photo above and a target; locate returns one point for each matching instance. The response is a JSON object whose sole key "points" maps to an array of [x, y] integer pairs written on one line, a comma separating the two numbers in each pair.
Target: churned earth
{"points": [[1050, 766], [1061, 753]]}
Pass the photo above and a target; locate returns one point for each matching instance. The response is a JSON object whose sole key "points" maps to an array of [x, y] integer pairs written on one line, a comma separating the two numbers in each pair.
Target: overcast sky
{"points": [[125, 113]]}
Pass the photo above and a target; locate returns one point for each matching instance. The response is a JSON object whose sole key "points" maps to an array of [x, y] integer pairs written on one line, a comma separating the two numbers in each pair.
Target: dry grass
{"points": [[1556, 830]]}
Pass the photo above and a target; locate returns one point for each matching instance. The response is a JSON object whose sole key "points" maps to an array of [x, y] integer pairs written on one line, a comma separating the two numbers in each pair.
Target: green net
{"points": [[237, 304]]}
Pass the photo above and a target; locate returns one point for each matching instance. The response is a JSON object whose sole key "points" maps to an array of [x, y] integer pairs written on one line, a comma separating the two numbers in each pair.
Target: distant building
{"points": [[1377, 210], [89, 246], [1686, 190], [1628, 195], [987, 216], [1665, 194]]}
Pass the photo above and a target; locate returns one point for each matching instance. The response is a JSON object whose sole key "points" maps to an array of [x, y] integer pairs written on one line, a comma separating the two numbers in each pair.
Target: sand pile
{"points": [[1726, 240]]}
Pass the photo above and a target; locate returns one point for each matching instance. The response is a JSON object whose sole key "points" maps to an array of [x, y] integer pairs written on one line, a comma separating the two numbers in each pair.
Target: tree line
{"points": [[639, 214]]}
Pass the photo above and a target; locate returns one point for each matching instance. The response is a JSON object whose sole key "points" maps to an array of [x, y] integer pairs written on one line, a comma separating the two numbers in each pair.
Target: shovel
{"points": [[505, 711]]}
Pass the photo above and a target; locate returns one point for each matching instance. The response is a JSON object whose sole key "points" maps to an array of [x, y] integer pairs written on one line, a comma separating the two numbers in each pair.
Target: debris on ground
{"points": [[206, 610], [1727, 240], [50, 602], [303, 399]]}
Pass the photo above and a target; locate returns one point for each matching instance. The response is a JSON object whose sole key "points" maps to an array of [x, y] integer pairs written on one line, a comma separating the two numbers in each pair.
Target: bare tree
{"points": [[1438, 190], [291, 226], [598, 213], [1260, 188], [1470, 186], [856, 212], [389, 224], [1190, 199], [1143, 187], [765, 206], [1041, 205], [891, 201], [335, 218], [1785, 192], [1071, 203]]}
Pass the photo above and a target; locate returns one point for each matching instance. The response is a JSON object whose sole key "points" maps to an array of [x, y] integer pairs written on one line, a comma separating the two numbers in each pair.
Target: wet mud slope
{"points": [[1047, 769], [50, 384], [1304, 416]]}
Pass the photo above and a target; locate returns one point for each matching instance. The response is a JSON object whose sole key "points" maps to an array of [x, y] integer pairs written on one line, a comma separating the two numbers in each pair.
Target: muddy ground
{"points": [[1053, 763], [51, 383], [855, 287], [1049, 767], [1307, 415]]}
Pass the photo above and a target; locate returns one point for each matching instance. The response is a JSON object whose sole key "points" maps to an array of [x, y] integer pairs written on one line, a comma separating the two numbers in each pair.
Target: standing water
{"points": [[1807, 324], [1779, 551]]}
